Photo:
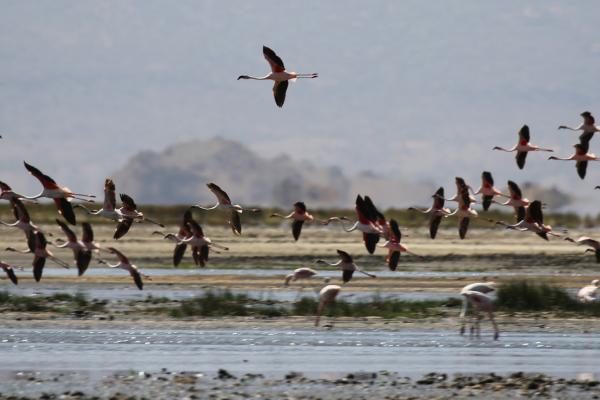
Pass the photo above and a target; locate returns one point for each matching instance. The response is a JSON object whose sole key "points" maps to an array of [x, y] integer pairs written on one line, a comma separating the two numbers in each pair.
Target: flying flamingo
{"points": [[481, 303], [487, 190], [482, 287], [327, 296], [6, 193], [126, 265], [587, 241], [437, 212], [533, 221], [515, 200], [394, 247], [10, 272], [183, 233], [82, 256], [279, 75], [464, 210], [523, 147], [200, 244], [588, 294], [367, 222], [23, 220], [581, 156], [346, 264], [299, 217], [128, 213], [588, 127], [109, 207], [61, 195], [299, 274], [40, 254], [87, 238], [224, 202]]}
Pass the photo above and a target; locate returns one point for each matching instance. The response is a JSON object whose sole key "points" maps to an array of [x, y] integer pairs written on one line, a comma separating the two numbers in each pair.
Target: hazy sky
{"points": [[421, 90]]}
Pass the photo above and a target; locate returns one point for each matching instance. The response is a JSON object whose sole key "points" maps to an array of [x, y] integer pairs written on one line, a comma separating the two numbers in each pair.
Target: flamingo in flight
{"points": [[23, 220], [60, 194], [224, 202], [129, 213], [299, 274], [588, 127], [589, 293], [200, 244], [327, 295], [41, 253], [515, 200], [581, 156], [126, 265], [81, 254], [464, 210], [482, 287], [183, 233], [523, 147], [436, 211], [481, 303], [487, 190], [10, 272], [87, 237], [299, 216], [367, 222], [6, 193], [533, 221], [589, 242], [279, 75], [394, 247], [347, 265], [109, 206]]}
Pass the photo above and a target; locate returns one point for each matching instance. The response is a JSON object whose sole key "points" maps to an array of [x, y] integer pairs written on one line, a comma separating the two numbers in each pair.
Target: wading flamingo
{"points": [[299, 274], [482, 287], [589, 293], [523, 147], [279, 75], [224, 202], [327, 296], [481, 303]]}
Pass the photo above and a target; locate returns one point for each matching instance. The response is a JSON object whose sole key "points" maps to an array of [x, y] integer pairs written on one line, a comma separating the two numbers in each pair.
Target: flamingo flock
{"points": [[372, 224]]}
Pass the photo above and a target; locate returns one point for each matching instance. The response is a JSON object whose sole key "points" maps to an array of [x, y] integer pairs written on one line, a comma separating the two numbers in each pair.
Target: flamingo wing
{"points": [[300, 207], [20, 211], [487, 201], [38, 267], [581, 168], [122, 258], [520, 213], [273, 59], [347, 275], [128, 202], [438, 199], [393, 260], [487, 179], [524, 135], [82, 260], [371, 240], [66, 210], [31, 241], [110, 201], [434, 224], [297, 228], [514, 190], [347, 258], [137, 279], [195, 228], [220, 193], [584, 140], [88, 232], [236, 222], [178, 253], [521, 157], [10, 272], [363, 212], [45, 180], [463, 227], [395, 231], [279, 91], [204, 250], [122, 228], [4, 187], [71, 237], [40, 240]]}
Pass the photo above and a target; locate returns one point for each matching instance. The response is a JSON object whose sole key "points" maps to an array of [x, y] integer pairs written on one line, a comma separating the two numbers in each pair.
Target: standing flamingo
{"points": [[224, 202], [482, 287], [523, 147], [436, 211], [299, 217], [126, 265], [347, 265], [299, 274], [588, 294], [279, 75], [581, 156], [481, 303], [367, 222], [40, 254], [327, 295], [394, 247], [82, 256], [61, 195], [487, 190], [587, 241]]}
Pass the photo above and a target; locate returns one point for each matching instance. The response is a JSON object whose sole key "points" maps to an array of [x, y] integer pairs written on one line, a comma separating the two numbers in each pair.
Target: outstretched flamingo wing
{"points": [[67, 231], [110, 201], [123, 228], [514, 191], [119, 255], [66, 210], [581, 168], [10, 272], [524, 135], [88, 232], [220, 193], [438, 199], [20, 211], [273, 59], [347, 258], [521, 157], [45, 180], [297, 228], [393, 260], [4, 187], [128, 202], [397, 235], [279, 91], [178, 253]]}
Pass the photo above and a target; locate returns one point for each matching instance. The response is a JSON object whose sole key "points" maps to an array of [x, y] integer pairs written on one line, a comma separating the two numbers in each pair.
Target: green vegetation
{"points": [[63, 303], [225, 303], [46, 213], [527, 297]]}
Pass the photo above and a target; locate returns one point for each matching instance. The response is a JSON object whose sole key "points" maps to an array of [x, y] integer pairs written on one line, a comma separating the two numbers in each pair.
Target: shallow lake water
{"points": [[314, 352]]}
